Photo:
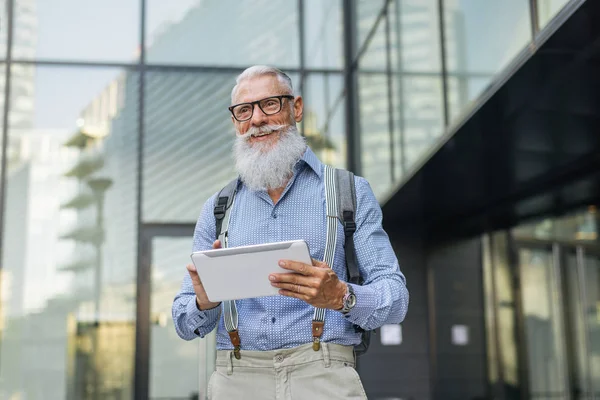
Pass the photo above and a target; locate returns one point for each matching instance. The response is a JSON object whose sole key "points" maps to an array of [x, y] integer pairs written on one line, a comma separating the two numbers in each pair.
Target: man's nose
{"points": [[259, 118]]}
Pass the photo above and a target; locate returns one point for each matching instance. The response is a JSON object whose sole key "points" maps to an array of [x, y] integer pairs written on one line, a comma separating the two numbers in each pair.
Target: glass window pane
{"points": [[415, 36], [71, 196], [174, 363], [543, 323], [375, 56], [375, 139], [547, 9], [223, 32], [422, 113], [366, 16], [482, 38], [187, 142], [324, 118], [188, 139], [3, 26], [323, 31], [107, 30]]}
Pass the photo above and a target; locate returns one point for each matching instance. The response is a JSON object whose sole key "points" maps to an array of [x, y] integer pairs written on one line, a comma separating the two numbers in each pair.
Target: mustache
{"points": [[260, 130]]}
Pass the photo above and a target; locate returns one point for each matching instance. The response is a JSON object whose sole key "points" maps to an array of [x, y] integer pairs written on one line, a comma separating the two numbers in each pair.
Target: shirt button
{"points": [[275, 215]]}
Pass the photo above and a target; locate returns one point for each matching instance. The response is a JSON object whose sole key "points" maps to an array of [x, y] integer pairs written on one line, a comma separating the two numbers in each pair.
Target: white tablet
{"points": [[243, 272]]}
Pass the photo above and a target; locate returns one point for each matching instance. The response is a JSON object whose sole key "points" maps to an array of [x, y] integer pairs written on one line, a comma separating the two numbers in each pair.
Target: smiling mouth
{"points": [[262, 134]]}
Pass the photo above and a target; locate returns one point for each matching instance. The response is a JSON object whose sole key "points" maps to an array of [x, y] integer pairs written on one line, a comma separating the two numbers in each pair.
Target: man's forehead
{"points": [[257, 88]]}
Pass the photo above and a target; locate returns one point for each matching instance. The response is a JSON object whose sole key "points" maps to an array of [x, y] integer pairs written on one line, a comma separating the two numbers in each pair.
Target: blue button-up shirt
{"points": [[275, 322]]}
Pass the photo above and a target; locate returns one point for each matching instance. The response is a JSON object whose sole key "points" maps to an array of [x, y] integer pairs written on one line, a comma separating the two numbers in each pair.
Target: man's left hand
{"points": [[316, 284]]}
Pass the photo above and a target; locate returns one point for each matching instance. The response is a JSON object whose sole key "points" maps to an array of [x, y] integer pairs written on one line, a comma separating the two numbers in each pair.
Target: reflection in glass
{"points": [[481, 39], [71, 197], [415, 36], [547, 9], [323, 31], [374, 128], [506, 310], [77, 30], [188, 136], [223, 32], [174, 363], [581, 226], [3, 28], [583, 278], [543, 323], [422, 116], [367, 12], [375, 55], [323, 123]]}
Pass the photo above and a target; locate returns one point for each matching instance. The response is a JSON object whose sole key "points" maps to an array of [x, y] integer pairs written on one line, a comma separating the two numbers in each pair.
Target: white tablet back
{"points": [[243, 272]]}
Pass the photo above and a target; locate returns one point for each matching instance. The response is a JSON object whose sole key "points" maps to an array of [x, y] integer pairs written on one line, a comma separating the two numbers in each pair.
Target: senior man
{"points": [[281, 196]]}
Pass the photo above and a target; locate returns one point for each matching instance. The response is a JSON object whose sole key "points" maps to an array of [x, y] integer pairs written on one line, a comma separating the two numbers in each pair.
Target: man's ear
{"points": [[298, 108]]}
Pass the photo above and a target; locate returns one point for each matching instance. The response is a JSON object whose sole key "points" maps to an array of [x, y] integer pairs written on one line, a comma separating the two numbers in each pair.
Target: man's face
{"points": [[259, 88]]}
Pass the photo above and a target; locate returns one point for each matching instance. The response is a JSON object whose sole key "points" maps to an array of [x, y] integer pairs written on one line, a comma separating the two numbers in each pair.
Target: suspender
{"points": [[339, 190], [318, 321], [222, 213]]}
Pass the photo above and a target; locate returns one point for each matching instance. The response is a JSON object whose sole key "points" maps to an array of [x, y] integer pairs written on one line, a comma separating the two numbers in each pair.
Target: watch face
{"points": [[351, 302]]}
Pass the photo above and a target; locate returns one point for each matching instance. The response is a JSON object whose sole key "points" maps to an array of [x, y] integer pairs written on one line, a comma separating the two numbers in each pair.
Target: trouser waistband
{"points": [[286, 357]]}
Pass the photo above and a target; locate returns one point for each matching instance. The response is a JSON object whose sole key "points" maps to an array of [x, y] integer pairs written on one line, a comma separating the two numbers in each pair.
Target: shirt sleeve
{"points": [[189, 321], [383, 298]]}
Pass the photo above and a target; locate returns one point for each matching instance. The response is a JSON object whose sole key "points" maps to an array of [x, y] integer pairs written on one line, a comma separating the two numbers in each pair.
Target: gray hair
{"points": [[261, 70]]}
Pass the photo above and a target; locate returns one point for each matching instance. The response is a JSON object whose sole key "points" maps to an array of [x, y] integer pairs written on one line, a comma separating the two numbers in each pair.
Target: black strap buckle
{"points": [[220, 208]]}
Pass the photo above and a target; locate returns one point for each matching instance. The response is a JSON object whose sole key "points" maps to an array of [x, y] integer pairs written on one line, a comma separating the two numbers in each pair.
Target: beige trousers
{"points": [[299, 373]]}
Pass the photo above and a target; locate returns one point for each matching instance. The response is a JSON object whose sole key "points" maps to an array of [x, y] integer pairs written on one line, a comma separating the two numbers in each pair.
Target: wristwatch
{"points": [[349, 300]]}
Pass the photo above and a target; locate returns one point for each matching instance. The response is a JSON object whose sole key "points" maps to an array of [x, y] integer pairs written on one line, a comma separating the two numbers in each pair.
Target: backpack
{"points": [[346, 201]]}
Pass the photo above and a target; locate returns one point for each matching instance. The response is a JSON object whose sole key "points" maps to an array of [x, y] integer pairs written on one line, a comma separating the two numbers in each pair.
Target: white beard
{"points": [[264, 166]]}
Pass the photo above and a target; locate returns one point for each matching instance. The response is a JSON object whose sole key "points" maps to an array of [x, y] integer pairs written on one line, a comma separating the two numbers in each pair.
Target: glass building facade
{"points": [[115, 130]]}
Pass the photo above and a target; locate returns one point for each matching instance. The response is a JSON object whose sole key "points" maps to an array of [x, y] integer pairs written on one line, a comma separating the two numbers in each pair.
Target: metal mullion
{"points": [[521, 334], [353, 159], [444, 72], [5, 121], [560, 323], [388, 67], [581, 274], [302, 85], [142, 331], [534, 18], [402, 138]]}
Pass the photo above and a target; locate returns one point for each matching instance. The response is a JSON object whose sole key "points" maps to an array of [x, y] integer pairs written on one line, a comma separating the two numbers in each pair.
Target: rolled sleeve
{"points": [[189, 321], [383, 298]]}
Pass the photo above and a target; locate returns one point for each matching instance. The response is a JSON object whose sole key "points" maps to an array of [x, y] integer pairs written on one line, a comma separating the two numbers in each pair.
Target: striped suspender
{"points": [[318, 321], [230, 313]]}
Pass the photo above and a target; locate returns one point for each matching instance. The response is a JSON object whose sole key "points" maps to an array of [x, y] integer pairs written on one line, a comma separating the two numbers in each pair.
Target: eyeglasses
{"points": [[271, 105]]}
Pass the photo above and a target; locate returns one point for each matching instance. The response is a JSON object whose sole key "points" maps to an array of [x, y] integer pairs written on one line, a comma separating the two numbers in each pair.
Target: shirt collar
{"points": [[309, 158]]}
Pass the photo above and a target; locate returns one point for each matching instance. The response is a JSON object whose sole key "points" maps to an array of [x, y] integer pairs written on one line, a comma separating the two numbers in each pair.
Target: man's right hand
{"points": [[201, 298]]}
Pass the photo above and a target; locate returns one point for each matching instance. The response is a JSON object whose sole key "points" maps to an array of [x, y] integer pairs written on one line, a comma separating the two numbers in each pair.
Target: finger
{"points": [[297, 266], [295, 295], [216, 244], [193, 274], [296, 279], [292, 287], [319, 264]]}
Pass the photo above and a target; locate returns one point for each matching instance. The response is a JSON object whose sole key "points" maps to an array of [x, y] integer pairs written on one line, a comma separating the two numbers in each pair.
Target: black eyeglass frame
{"points": [[257, 102]]}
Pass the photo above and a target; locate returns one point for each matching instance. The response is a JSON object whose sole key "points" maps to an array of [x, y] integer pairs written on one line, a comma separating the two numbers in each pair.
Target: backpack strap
{"points": [[222, 212], [346, 200], [222, 209]]}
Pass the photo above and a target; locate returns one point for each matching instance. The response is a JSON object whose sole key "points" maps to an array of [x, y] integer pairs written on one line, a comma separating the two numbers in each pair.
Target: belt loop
{"points": [[326, 359], [230, 364]]}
